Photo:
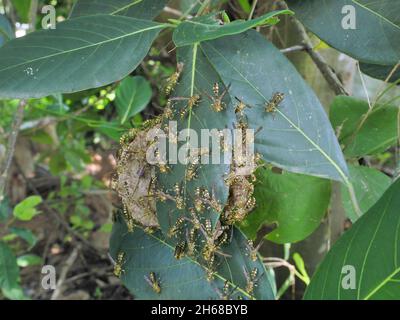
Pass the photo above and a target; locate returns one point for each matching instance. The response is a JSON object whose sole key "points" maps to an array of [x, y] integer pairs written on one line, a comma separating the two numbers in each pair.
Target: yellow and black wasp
{"points": [[153, 282], [273, 104], [172, 81], [191, 103], [118, 265], [217, 103]]}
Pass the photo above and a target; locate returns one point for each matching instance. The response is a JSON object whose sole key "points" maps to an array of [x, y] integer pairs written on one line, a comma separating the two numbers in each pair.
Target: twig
{"points": [[290, 281], [294, 49], [68, 264], [176, 12], [327, 72], [12, 139], [253, 9]]}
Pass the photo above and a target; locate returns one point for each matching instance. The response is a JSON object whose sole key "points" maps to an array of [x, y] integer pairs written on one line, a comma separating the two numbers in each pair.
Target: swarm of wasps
{"points": [[194, 233]]}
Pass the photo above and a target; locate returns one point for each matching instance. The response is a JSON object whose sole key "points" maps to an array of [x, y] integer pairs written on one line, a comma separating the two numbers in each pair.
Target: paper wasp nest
{"points": [[134, 179], [241, 185]]}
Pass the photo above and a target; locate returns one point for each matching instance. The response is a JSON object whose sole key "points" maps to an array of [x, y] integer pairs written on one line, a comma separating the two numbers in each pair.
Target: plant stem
{"points": [[12, 140], [353, 199], [253, 9], [327, 72]]}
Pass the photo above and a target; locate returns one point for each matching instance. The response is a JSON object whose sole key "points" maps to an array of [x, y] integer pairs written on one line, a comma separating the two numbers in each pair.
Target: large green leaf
{"points": [[376, 38], [183, 279], [372, 248], [141, 9], [132, 96], [297, 214], [198, 77], [369, 185], [26, 209], [299, 137], [81, 53], [381, 72], [6, 32], [209, 27], [364, 132], [9, 271]]}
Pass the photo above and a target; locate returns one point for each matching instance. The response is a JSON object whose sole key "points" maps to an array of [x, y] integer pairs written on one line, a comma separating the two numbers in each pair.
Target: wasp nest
{"points": [[135, 178], [241, 184]]}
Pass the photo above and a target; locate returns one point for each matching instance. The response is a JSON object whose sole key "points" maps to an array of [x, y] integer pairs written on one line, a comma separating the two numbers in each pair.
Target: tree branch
{"points": [[294, 49], [68, 264], [327, 72], [12, 139]]}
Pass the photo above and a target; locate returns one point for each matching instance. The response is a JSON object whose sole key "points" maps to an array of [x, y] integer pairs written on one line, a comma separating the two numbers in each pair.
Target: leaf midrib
{"points": [[126, 7], [195, 262], [341, 173], [385, 281], [84, 47], [192, 85], [376, 14], [130, 106]]}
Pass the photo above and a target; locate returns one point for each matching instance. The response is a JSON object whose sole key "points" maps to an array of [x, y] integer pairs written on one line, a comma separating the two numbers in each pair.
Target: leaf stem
{"points": [[253, 9], [353, 198], [12, 140]]}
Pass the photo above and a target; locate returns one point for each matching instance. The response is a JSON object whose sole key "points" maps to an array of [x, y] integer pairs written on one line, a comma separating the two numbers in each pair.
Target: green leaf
{"points": [[81, 53], [297, 214], [9, 272], [245, 5], [106, 228], [141, 9], [372, 248], [369, 185], [23, 8], [209, 27], [25, 210], [26, 235], [112, 129], [363, 133], [375, 38], [14, 293], [29, 260], [300, 265], [298, 137], [183, 279], [57, 163], [381, 72], [132, 96], [198, 77], [6, 32]]}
